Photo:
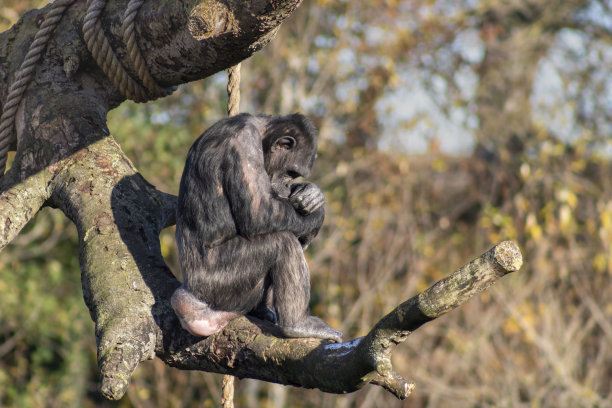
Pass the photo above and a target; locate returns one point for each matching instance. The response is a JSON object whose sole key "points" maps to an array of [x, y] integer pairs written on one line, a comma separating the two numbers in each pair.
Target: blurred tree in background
{"points": [[445, 127]]}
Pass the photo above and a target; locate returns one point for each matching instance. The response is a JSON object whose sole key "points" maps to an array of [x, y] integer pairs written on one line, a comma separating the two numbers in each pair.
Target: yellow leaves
{"points": [[379, 224], [394, 80], [501, 226], [525, 171], [606, 219], [532, 228], [335, 206], [578, 165], [422, 284], [522, 203], [350, 235], [371, 199], [567, 196], [166, 242], [565, 218], [600, 262], [440, 165], [525, 319], [144, 393], [511, 327]]}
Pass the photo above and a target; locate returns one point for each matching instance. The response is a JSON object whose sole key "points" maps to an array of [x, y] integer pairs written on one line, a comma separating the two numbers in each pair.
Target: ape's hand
{"points": [[306, 198]]}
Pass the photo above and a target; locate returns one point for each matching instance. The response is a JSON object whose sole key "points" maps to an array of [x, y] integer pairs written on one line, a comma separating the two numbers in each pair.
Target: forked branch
{"points": [[127, 287], [67, 159]]}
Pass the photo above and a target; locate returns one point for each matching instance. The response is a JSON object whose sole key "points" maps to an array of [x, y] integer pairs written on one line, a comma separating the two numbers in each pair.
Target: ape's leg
{"points": [[222, 283], [291, 285], [230, 281], [196, 316]]}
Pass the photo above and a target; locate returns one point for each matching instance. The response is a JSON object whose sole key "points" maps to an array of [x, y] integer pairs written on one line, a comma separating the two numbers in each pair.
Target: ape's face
{"points": [[289, 152]]}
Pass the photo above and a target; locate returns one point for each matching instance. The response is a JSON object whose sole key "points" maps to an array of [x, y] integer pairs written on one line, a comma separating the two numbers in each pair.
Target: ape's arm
{"points": [[255, 209]]}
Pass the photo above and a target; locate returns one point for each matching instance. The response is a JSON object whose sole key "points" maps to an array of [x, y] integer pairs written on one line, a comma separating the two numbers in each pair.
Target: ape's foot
{"points": [[262, 312], [312, 326]]}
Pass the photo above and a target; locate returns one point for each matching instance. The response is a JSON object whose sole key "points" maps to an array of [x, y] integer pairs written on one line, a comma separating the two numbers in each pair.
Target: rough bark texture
{"points": [[67, 159]]}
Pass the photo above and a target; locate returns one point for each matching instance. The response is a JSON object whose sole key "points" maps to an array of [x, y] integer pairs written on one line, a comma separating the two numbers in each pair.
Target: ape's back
{"points": [[204, 216]]}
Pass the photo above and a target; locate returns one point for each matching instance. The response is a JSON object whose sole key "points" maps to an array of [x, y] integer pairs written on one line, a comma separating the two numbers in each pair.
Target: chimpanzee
{"points": [[242, 226]]}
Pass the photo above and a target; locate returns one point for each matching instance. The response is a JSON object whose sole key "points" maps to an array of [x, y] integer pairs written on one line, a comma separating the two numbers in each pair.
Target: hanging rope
{"points": [[24, 75], [233, 90], [227, 385], [233, 108]]}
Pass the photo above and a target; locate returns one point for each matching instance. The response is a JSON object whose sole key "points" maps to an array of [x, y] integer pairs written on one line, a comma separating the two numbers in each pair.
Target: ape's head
{"points": [[290, 148]]}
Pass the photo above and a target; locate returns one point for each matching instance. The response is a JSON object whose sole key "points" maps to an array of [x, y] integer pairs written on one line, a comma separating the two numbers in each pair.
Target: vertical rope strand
{"points": [[233, 90], [227, 384], [233, 108]]}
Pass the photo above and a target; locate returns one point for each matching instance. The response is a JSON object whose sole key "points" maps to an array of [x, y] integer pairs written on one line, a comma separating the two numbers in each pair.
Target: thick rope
{"points": [[233, 108], [129, 37], [100, 48], [24, 75], [98, 45]]}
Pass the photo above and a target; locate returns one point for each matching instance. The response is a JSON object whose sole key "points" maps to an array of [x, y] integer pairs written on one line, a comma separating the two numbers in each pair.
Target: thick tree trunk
{"points": [[67, 159]]}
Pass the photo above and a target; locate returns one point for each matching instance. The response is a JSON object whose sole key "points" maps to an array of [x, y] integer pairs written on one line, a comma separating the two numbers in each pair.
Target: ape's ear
{"points": [[284, 143]]}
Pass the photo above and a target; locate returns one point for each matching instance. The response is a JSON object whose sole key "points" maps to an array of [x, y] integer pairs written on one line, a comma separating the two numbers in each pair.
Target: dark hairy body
{"points": [[242, 226]]}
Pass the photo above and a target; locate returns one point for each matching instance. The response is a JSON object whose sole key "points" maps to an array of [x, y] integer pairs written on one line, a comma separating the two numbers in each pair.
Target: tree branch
{"points": [[246, 350], [20, 201], [65, 156], [67, 159], [127, 288]]}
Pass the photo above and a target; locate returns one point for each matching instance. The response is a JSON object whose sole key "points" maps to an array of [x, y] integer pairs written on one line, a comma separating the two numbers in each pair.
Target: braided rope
{"points": [[24, 75], [233, 107], [233, 90], [227, 385], [100, 48], [129, 37]]}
